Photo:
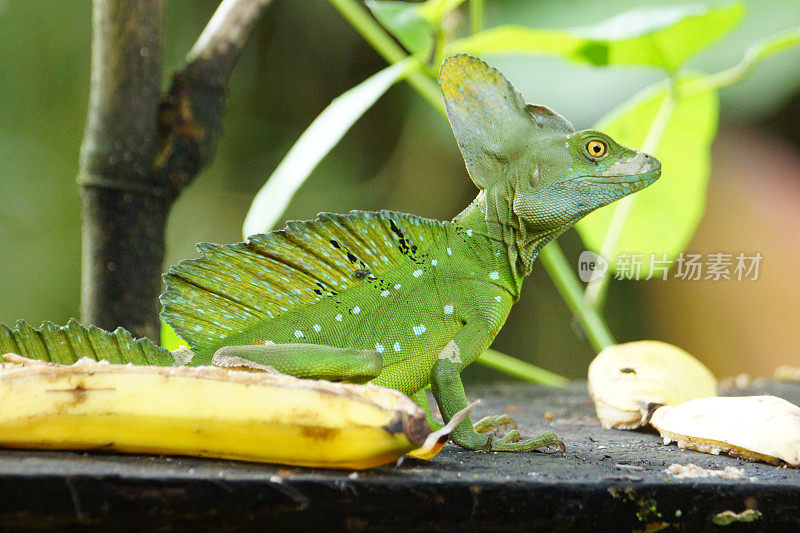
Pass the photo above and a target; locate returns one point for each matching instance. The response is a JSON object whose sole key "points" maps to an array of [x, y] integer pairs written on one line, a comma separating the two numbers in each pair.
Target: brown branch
{"points": [[191, 113], [140, 150], [124, 211], [218, 48]]}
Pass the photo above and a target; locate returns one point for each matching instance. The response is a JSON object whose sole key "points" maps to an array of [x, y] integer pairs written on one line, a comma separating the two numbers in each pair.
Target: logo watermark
{"points": [[690, 267], [591, 266]]}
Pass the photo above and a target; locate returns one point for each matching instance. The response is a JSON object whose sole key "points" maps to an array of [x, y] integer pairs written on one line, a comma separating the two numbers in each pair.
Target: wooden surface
{"points": [[607, 481]]}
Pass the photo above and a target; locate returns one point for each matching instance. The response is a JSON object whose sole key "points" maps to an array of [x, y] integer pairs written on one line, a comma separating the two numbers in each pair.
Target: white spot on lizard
{"points": [[385, 294], [449, 251], [497, 298], [298, 334], [494, 274], [397, 286], [419, 330], [434, 262], [451, 352], [448, 309], [356, 310], [339, 318], [397, 347], [379, 347], [317, 328], [417, 273]]}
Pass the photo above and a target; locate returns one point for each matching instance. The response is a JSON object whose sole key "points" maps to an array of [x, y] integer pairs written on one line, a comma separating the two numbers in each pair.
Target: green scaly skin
{"points": [[391, 298]]}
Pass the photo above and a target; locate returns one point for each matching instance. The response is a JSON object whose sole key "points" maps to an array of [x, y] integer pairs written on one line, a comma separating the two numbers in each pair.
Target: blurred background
{"points": [[401, 156]]}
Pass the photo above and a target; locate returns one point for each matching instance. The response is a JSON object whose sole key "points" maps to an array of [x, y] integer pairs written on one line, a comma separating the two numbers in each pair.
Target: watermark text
{"points": [[687, 266]]}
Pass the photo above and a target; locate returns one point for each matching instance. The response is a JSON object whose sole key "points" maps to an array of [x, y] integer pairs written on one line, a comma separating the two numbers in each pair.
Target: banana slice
{"points": [[757, 428], [628, 381], [205, 411]]}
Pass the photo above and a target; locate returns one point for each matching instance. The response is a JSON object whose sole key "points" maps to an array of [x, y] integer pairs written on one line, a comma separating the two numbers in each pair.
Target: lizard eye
{"points": [[596, 148]]}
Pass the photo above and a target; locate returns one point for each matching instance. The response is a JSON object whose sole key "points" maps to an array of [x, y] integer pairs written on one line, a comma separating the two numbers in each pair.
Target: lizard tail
{"points": [[66, 344]]}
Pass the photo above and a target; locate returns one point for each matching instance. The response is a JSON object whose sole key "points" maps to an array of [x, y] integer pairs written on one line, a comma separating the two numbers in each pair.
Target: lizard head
{"points": [[529, 157], [577, 174]]}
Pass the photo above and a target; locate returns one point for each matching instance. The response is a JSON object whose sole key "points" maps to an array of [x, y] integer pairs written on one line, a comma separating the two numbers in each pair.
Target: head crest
{"points": [[549, 119], [496, 131]]}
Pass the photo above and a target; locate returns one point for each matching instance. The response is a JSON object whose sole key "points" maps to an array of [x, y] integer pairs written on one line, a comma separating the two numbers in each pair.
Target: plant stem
{"points": [[764, 48], [520, 369], [476, 8], [190, 114], [375, 35], [553, 259]]}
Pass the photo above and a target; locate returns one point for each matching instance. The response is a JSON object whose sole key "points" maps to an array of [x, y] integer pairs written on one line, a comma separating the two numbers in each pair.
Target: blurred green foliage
{"points": [[657, 36], [400, 155], [663, 217]]}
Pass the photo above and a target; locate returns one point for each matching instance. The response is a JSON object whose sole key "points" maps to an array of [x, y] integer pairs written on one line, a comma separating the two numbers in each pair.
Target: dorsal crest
{"points": [[231, 287]]}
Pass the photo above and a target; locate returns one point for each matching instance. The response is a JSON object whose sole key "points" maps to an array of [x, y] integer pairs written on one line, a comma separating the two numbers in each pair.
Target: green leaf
{"points": [[313, 145], [436, 10], [407, 23], [663, 217], [654, 36]]}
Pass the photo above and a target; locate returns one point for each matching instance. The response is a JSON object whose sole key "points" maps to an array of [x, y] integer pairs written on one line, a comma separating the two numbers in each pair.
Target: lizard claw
{"points": [[511, 436], [511, 443], [494, 423]]}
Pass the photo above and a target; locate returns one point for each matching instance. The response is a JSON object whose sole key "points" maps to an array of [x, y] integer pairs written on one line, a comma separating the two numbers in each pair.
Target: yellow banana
{"points": [[206, 411]]}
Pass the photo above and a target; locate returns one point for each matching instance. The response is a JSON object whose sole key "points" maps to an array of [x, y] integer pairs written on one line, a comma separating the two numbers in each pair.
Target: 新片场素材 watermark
{"points": [[713, 266]]}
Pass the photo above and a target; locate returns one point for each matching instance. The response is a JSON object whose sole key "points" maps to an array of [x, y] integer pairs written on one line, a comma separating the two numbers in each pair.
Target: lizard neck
{"points": [[492, 215]]}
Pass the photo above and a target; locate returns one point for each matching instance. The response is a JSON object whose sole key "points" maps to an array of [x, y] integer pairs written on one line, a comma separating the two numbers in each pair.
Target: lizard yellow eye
{"points": [[596, 148]]}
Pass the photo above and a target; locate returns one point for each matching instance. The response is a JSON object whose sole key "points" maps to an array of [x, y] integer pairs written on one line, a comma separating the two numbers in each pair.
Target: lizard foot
{"points": [[510, 442], [494, 423]]}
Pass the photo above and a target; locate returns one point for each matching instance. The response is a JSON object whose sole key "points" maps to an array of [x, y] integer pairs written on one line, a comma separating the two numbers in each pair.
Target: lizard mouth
{"points": [[644, 179]]}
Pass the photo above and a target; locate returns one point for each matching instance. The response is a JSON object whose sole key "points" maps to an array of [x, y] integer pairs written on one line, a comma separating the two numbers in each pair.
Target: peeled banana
{"points": [[657, 384], [627, 381], [757, 428], [207, 411]]}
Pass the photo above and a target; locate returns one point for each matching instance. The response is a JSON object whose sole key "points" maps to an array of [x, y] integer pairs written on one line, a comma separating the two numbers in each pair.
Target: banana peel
{"points": [[628, 381], [209, 412]]}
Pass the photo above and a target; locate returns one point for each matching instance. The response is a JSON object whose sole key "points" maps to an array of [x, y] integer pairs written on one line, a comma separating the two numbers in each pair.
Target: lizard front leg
{"points": [[449, 393], [309, 361]]}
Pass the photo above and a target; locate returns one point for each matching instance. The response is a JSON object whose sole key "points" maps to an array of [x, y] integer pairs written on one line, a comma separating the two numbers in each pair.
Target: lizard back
{"points": [[362, 280]]}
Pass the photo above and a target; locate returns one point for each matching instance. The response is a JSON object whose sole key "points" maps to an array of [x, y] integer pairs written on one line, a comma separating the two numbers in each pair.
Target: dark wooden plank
{"points": [[607, 480]]}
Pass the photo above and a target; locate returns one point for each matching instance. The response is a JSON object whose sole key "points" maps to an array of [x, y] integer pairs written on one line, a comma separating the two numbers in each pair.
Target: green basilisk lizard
{"points": [[391, 298]]}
